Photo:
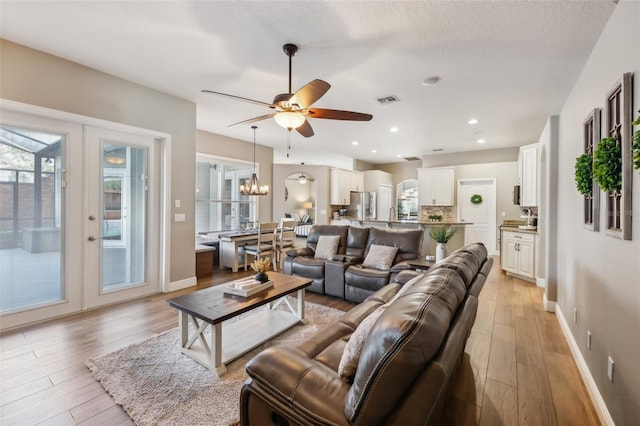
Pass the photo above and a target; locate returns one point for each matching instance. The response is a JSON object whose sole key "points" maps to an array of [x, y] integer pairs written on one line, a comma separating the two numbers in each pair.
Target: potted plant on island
{"points": [[441, 235], [261, 266]]}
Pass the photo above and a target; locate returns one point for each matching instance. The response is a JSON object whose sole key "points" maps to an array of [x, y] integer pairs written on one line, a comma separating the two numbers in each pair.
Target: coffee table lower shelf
{"points": [[228, 341]]}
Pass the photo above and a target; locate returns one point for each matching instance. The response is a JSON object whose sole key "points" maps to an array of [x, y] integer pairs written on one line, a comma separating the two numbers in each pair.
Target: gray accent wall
{"points": [[597, 274]]}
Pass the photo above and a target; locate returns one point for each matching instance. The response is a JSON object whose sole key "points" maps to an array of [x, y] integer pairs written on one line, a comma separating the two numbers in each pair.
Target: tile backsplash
{"points": [[445, 211]]}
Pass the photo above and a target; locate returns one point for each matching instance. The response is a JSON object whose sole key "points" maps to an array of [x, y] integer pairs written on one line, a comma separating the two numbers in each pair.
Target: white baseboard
{"points": [[541, 282], [594, 393], [549, 305], [179, 285]]}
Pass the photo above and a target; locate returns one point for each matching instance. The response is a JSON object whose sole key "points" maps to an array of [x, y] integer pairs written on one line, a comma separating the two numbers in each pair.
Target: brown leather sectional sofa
{"points": [[405, 365], [344, 275]]}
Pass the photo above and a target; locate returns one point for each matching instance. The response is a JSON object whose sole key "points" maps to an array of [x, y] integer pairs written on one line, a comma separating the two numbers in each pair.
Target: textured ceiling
{"points": [[509, 64]]}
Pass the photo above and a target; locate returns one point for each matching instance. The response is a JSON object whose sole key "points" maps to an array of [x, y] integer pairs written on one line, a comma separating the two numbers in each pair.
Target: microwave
{"points": [[516, 195]]}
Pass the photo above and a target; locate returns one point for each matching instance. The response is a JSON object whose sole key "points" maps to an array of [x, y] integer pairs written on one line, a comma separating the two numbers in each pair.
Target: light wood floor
{"points": [[517, 368]]}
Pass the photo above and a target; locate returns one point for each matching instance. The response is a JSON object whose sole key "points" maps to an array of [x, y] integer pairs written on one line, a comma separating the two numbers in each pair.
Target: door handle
{"points": [[92, 218], [92, 238]]}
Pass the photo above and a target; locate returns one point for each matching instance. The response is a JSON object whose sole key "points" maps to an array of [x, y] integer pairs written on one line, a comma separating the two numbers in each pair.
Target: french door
{"points": [[79, 217], [121, 243]]}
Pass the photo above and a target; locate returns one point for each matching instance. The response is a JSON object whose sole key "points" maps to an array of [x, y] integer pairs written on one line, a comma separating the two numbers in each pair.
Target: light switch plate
{"points": [[179, 217], [177, 203]]}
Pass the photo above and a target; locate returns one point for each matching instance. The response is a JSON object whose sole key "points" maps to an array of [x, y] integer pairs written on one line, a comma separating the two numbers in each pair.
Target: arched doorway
{"points": [[300, 197], [407, 191]]}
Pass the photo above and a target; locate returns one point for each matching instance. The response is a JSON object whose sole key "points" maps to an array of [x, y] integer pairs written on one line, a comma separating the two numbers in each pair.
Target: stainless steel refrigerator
{"points": [[362, 206]]}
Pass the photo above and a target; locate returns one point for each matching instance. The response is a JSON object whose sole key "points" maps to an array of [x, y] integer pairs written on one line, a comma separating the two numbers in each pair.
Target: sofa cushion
{"points": [[380, 257], [327, 247], [351, 355], [308, 267], [407, 242]]}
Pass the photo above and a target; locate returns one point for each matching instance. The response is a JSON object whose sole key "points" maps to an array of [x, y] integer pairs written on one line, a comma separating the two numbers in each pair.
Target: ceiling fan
{"points": [[293, 109]]}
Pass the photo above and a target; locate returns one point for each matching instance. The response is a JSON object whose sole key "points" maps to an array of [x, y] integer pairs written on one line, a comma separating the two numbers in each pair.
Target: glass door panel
{"points": [[31, 218], [124, 224]]}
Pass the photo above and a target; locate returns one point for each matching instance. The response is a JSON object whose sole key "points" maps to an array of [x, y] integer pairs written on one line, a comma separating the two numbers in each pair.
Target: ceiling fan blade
{"points": [[253, 101], [336, 114], [305, 129], [309, 93], [253, 120]]}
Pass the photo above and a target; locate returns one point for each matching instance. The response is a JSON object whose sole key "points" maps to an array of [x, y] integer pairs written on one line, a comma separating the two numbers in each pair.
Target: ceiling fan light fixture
{"points": [[289, 120]]}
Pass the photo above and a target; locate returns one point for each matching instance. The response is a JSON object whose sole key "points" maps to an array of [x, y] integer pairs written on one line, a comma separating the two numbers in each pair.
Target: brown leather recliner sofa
{"points": [[344, 274], [406, 362]]}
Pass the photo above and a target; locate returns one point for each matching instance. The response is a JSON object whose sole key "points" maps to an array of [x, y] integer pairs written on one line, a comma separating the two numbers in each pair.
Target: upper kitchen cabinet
{"points": [[528, 173], [374, 178], [435, 186], [342, 183]]}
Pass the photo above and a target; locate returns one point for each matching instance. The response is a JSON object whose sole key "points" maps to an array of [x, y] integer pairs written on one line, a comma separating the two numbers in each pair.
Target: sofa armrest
{"points": [[401, 266], [346, 258], [294, 380], [302, 251], [405, 276]]}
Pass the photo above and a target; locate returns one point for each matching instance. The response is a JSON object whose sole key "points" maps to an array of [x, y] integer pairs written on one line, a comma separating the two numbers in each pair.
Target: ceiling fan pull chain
{"points": [[288, 142]]}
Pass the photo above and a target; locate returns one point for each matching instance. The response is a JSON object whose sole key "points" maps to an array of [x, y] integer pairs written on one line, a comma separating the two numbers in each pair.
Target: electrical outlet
{"points": [[575, 315], [588, 339], [504, 214], [610, 364]]}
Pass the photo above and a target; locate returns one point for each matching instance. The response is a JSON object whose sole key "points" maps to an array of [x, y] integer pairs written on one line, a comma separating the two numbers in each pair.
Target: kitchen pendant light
{"points": [[253, 186], [302, 179]]}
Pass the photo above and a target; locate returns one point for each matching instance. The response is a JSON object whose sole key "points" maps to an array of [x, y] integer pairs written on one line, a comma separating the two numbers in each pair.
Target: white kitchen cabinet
{"points": [[518, 253], [528, 173], [435, 186], [342, 183]]}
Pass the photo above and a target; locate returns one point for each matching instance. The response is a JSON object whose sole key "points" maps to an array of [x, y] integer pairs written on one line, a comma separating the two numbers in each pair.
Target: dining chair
{"points": [[285, 238], [264, 244]]}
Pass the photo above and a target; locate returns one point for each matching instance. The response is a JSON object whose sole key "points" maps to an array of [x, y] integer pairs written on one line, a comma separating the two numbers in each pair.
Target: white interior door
{"points": [[121, 216], [482, 214]]}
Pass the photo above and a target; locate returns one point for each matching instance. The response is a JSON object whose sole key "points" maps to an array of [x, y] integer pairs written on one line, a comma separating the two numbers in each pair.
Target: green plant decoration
{"points": [[584, 174], [607, 165], [442, 234], [476, 199], [635, 148]]}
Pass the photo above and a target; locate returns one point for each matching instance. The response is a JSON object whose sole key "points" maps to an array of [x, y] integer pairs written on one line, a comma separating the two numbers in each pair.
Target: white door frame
{"points": [[493, 216], [164, 150]]}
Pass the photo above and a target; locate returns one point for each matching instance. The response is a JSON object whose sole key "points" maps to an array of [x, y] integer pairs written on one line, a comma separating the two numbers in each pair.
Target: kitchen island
{"points": [[428, 245]]}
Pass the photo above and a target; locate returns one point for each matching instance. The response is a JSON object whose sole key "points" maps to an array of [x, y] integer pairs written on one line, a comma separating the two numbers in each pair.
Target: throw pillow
{"points": [[351, 355], [380, 257], [327, 247]]}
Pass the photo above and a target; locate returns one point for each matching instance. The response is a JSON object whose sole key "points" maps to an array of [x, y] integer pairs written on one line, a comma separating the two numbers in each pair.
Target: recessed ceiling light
{"points": [[354, 143], [481, 141], [399, 155], [393, 129], [473, 121], [374, 150], [431, 81]]}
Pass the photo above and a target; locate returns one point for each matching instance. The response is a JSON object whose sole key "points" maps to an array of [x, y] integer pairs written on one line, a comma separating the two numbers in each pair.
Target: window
{"points": [[219, 204], [618, 126], [591, 135]]}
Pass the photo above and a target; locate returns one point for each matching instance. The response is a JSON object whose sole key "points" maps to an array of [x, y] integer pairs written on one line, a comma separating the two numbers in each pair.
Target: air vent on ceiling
{"points": [[411, 158], [438, 149], [386, 100]]}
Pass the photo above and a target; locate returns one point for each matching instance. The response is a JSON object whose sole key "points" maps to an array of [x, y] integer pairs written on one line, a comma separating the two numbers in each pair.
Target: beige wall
{"points": [[597, 274], [37, 78], [223, 146]]}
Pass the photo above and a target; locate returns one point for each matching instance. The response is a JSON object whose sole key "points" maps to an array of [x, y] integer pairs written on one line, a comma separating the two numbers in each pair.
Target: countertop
{"points": [[514, 228], [408, 222]]}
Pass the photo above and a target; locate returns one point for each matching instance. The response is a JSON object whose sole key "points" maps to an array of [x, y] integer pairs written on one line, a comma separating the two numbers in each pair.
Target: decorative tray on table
{"points": [[246, 287]]}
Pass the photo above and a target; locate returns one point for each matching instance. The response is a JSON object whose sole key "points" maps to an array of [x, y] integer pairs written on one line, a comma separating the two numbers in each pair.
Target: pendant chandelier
{"points": [[253, 187]]}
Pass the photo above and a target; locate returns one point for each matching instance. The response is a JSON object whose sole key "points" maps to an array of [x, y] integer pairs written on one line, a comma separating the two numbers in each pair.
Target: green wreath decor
{"points": [[584, 174], [476, 199], [607, 165], [635, 148]]}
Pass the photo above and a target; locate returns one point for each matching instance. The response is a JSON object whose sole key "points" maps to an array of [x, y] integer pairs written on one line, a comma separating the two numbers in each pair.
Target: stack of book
{"points": [[246, 286]]}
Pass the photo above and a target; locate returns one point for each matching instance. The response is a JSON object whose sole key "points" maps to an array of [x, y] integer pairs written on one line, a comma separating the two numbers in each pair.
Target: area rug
{"points": [[158, 385]]}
